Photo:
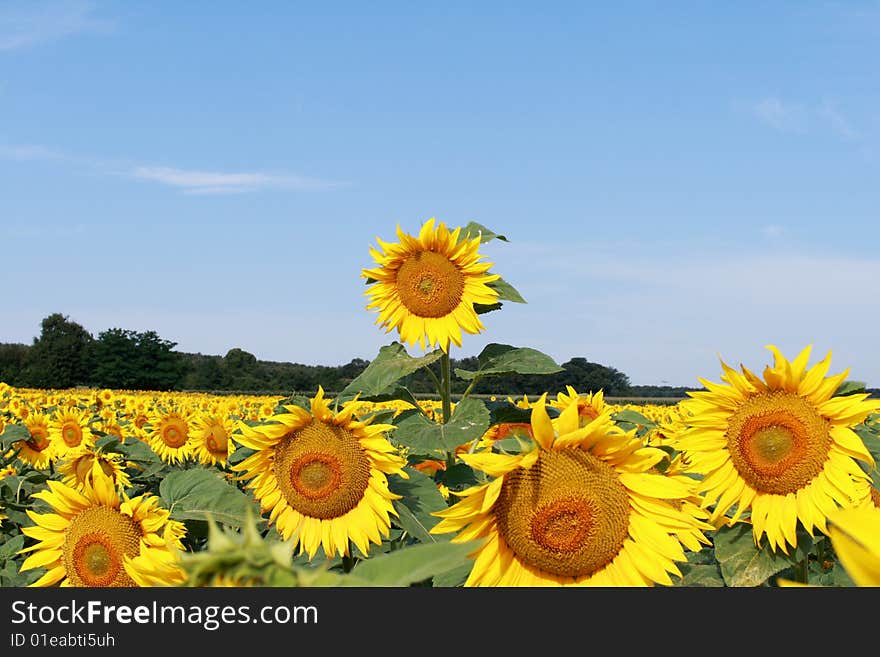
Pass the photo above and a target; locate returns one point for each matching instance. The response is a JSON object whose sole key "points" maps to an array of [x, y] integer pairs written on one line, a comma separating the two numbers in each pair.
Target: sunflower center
{"points": [[778, 442], [567, 515], [217, 441], [430, 284], [174, 435], [322, 470], [39, 439], [95, 544], [72, 434]]}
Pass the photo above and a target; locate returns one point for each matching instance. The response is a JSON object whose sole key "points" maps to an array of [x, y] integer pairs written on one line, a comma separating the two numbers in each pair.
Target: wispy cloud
{"points": [[780, 115], [772, 230], [188, 181], [214, 182], [839, 124], [26, 24], [788, 116]]}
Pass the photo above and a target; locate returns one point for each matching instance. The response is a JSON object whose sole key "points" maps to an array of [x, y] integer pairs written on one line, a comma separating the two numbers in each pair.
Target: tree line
{"points": [[66, 355]]}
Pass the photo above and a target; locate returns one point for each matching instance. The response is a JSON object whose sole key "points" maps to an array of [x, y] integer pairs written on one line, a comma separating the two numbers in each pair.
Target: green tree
{"points": [[13, 357], [132, 360], [61, 357]]}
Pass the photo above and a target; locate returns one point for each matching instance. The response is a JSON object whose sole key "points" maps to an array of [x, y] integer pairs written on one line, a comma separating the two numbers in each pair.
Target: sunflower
{"points": [[322, 476], [101, 537], [855, 536], [79, 468], [211, 436], [781, 448], [426, 287], [37, 450], [590, 406], [169, 435], [69, 430], [582, 507]]}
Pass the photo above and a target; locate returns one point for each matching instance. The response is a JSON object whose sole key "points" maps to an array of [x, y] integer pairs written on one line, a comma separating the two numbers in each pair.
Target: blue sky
{"points": [[678, 181]]}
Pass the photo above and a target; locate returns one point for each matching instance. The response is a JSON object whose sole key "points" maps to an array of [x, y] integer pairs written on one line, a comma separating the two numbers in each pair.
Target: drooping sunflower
{"points": [[79, 468], [779, 450], [101, 537], [169, 434], [37, 450], [69, 430], [322, 475], [426, 286], [583, 507], [211, 437]]}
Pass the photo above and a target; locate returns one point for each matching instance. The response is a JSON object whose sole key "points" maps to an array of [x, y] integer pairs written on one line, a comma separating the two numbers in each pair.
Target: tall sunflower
{"points": [[322, 476], [780, 450], [69, 430], [426, 286], [101, 537], [583, 507]]}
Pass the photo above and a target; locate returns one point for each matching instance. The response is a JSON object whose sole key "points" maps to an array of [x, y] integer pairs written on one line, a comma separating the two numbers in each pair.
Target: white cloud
{"points": [[26, 24], [772, 230], [189, 181], [213, 182], [779, 115], [839, 124]]}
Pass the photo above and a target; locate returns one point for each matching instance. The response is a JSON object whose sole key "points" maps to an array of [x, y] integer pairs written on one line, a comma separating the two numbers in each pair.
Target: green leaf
{"points": [[12, 434], [392, 364], [483, 308], [469, 421], [9, 548], [473, 229], [632, 417], [506, 291], [501, 359], [700, 575], [420, 499], [743, 564], [414, 563], [849, 388], [204, 494], [453, 578]]}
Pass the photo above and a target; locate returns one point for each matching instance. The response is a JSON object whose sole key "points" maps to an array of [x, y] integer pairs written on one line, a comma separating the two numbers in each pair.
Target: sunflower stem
{"points": [[802, 571], [446, 387]]}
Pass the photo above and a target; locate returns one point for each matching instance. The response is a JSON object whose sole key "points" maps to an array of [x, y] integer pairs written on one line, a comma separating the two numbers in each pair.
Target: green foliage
{"points": [[391, 365], [500, 359], [744, 564], [204, 494], [420, 498], [421, 435], [61, 356], [130, 360]]}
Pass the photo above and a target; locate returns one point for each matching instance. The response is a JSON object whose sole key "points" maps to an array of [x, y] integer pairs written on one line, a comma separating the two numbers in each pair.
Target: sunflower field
{"points": [[762, 479]]}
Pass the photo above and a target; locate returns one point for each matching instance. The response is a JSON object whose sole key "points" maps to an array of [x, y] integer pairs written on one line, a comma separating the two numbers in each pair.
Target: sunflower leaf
{"points": [[503, 359], [203, 494], [414, 563], [850, 388], [506, 291], [744, 564], [473, 229], [12, 434], [392, 364], [483, 308], [419, 499], [421, 435]]}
